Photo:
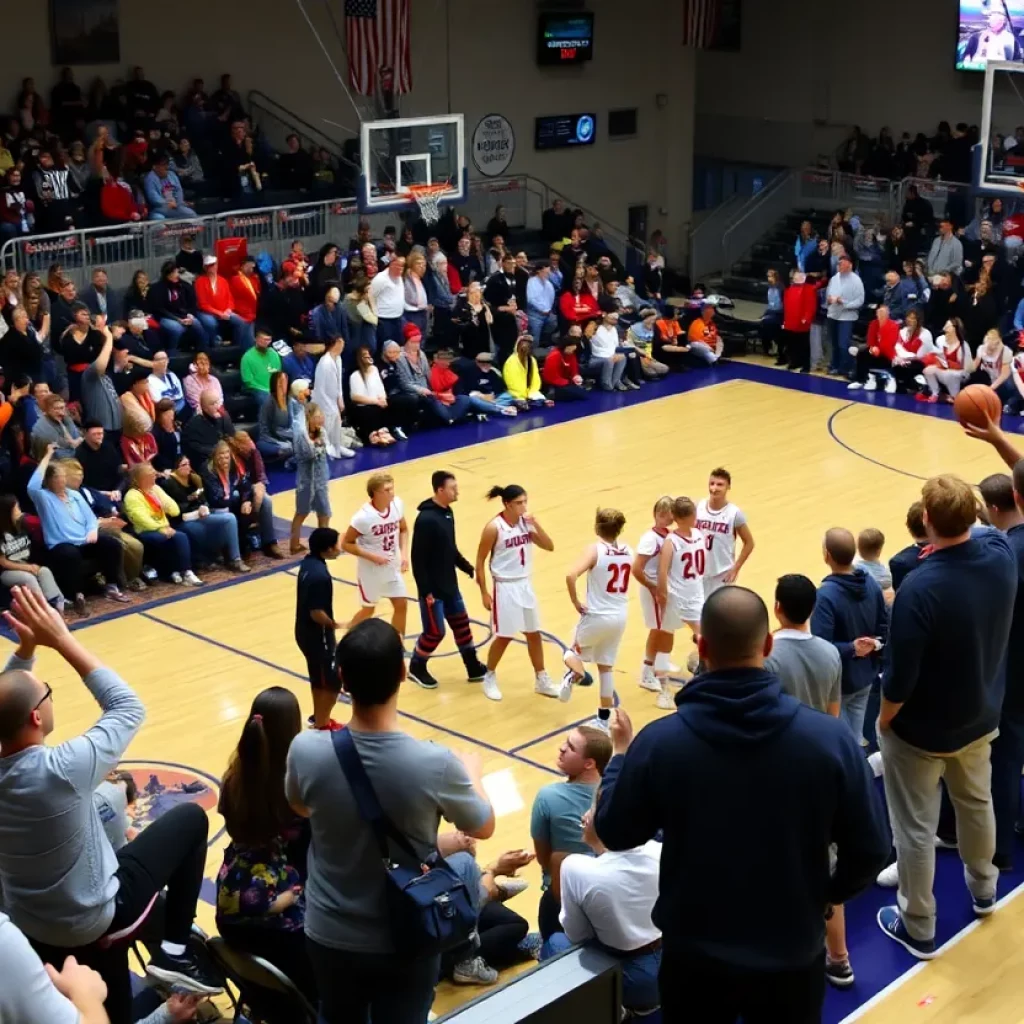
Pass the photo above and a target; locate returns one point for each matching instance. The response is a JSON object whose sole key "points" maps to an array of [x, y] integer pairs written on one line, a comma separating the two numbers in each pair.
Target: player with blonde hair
{"points": [[378, 538], [608, 565], [681, 570], [656, 664]]}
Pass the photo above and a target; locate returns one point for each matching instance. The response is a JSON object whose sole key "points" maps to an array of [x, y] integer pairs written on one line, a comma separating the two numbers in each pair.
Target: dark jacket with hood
{"points": [[435, 555], [742, 776], [850, 605]]}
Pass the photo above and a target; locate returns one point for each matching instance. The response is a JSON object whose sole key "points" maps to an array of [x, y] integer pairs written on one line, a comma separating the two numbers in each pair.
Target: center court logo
{"points": [[163, 785]]}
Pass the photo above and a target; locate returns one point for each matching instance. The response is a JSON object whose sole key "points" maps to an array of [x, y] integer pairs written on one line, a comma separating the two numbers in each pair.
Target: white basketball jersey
{"points": [[512, 554], [650, 544], [720, 530], [378, 531], [687, 568], [608, 580]]}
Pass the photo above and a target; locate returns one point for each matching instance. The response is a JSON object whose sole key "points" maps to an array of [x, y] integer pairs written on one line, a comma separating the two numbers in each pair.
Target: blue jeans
{"points": [[853, 708], [1007, 762], [167, 554], [178, 213], [173, 333], [541, 325], [481, 405], [606, 373], [639, 973], [274, 451], [448, 413], [840, 333], [242, 333], [372, 988], [216, 533], [389, 330]]}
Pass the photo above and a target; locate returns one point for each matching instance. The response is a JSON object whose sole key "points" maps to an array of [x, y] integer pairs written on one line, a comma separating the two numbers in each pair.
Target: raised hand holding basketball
{"points": [[988, 431], [977, 404]]}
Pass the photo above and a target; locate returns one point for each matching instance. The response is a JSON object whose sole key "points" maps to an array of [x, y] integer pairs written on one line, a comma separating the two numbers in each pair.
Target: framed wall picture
{"points": [[84, 32]]}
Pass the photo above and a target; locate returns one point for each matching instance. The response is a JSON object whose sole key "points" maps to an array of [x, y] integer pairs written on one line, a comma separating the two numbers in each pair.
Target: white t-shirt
{"points": [[611, 897], [389, 294], [604, 342], [370, 386], [991, 363]]}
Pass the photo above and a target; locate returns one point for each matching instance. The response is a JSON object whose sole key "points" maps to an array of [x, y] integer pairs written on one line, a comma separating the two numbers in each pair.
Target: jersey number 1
{"points": [[619, 578]]}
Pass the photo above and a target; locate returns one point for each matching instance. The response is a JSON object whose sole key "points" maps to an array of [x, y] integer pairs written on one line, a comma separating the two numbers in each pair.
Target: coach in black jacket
{"points": [[435, 557]]}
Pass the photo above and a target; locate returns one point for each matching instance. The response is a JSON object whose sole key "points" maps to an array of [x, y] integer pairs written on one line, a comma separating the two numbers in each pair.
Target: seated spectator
{"points": [[118, 204], [136, 295], [556, 222], [404, 403], [443, 382], [211, 533], [260, 901], [188, 168], [100, 299], [286, 307], [246, 289], [200, 379], [912, 348], [294, 167], [100, 459], [60, 876], [243, 170], [706, 345], [215, 306], [478, 379], [556, 820], [258, 363], [173, 304], [607, 900], [137, 405], [164, 194], [948, 365], [577, 305], [521, 375], [228, 486], [641, 337], [899, 294], [993, 363], [137, 339], [329, 320], [148, 507], [369, 410], [561, 372], [137, 445], [299, 363], [606, 364], [207, 428], [19, 562], [56, 427], [167, 435], [370, 661], [326, 273], [670, 347], [71, 534], [275, 440], [164, 383], [877, 354]]}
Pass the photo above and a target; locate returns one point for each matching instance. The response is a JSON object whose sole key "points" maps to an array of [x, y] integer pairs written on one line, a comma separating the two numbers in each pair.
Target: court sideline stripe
{"points": [[296, 675]]}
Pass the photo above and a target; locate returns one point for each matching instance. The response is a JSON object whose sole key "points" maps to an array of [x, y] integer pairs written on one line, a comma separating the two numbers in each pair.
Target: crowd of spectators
{"points": [[133, 152]]}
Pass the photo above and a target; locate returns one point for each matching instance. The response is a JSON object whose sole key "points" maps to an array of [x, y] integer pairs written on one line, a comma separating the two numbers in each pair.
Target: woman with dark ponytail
{"points": [[508, 541], [260, 903]]}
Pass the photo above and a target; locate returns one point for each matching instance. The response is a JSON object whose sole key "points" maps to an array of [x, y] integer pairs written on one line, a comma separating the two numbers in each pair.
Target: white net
{"points": [[428, 199]]}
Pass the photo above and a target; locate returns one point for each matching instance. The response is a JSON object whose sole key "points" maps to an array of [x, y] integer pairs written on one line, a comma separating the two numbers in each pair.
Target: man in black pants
{"points": [[315, 626], [435, 557], [778, 778], [63, 885]]}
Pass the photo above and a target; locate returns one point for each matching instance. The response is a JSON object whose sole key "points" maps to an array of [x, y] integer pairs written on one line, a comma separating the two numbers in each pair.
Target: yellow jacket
{"points": [[141, 515], [516, 378]]}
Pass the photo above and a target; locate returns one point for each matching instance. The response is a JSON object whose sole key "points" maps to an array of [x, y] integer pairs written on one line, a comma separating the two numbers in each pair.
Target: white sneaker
{"points": [[509, 887], [854, 386], [490, 685], [474, 972], [853, 350], [569, 678], [649, 681], [176, 577], [604, 724], [546, 686], [673, 669], [346, 453], [920, 379], [665, 701], [192, 579], [889, 878], [871, 384], [890, 385]]}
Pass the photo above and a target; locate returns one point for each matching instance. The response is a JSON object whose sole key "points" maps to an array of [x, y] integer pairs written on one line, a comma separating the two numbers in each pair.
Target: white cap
{"points": [[208, 261]]}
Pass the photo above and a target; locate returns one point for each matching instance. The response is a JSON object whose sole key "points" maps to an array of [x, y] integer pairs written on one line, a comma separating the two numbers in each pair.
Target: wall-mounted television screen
{"points": [[565, 38], [565, 130], [989, 30]]}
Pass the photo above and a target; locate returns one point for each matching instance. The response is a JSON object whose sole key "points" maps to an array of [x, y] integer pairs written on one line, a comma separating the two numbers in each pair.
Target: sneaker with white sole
{"points": [[191, 578], [649, 681], [854, 386], [983, 907], [839, 973], [889, 878], [890, 385], [490, 686], [891, 922], [509, 887], [673, 669], [546, 686], [692, 662], [346, 453], [531, 945], [604, 724], [871, 384], [853, 350], [665, 701], [474, 972], [569, 679], [177, 578]]}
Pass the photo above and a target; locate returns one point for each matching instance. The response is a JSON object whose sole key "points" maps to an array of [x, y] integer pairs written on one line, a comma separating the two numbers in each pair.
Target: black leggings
{"points": [[797, 345], [500, 930], [367, 419], [867, 362], [170, 852], [71, 563], [568, 393]]}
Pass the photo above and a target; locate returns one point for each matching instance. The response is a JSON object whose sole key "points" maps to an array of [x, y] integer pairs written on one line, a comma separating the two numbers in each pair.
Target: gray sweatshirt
{"points": [[850, 289], [411, 378], [57, 868]]}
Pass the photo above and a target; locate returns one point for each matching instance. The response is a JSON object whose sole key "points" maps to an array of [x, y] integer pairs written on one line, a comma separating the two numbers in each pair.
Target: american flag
{"points": [[377, 38], [700, 23]]}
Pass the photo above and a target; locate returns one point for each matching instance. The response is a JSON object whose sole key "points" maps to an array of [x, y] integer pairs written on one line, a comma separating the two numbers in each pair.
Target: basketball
{"points": [[975, 403]]}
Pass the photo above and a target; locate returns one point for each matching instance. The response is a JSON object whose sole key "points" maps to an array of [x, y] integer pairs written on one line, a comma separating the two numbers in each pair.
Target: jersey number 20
{"points": [[693, 564]]}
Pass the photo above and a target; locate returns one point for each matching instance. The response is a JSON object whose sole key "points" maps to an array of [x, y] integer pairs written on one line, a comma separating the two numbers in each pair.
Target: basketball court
{"points": [[803, 458]]}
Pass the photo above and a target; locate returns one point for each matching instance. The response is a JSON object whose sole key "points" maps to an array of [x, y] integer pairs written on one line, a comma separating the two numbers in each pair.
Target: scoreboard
{"points": [[565, 38]]}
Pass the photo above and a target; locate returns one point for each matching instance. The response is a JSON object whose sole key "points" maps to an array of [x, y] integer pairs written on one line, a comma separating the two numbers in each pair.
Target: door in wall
{"points": [[636, 226]]}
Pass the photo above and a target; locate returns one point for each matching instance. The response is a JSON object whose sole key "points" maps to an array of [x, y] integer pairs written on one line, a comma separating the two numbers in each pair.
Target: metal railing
{"points": [[758, 215], [706, 237], [276, 122]]}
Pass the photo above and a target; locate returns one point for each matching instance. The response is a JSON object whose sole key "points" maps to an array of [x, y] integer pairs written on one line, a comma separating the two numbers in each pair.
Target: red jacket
{"points": [[245, 298], [884, 337], [799, 306], [117, 202], [559, 368], [578, 309], [213, 295], [442, 379]]}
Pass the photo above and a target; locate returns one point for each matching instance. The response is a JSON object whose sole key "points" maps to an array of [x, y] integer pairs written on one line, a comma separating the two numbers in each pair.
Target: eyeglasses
{"points": [[46, 696]]}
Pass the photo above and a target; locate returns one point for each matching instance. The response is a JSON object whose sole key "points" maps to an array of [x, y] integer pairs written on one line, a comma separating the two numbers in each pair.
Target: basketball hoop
{"points": [[428, 199]]}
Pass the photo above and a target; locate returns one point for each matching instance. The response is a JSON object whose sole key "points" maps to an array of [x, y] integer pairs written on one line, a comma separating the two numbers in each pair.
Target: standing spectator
{"points": [[100, 401], [328, 393], [844, 297], [806, 243], [328, 320], [165, 383], [349, 937], [500, 295], [799, 308], [540, 303], [387, 291], [719, 960], [440, 295], [941, 694], [206, 429], [850, 613], [164, 193], [918, 217], [947, 251], [294, 166], [770, 326], [473, 319], [100, 299], [898, 294], [416, 305], [312, 474]]}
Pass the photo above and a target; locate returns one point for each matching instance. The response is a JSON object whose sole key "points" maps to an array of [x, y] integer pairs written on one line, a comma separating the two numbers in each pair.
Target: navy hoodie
{"points": [[749, 787], [850, 605]]}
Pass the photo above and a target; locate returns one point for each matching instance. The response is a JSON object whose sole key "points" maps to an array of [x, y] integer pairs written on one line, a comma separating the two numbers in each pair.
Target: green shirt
{"points": [[257, 367]]}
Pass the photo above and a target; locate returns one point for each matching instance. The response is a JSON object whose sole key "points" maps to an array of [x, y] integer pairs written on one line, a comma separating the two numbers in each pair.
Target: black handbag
{"points": [[429, 907]]}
